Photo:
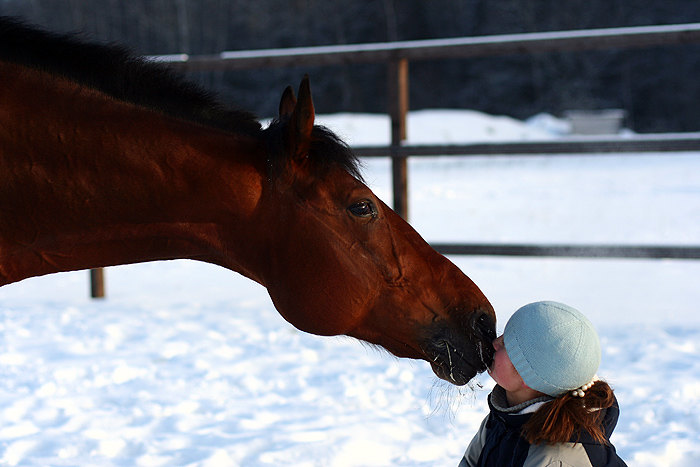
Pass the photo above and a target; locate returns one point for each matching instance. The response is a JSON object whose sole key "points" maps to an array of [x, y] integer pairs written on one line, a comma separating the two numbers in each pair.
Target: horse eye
{"points": [[364, 208]]}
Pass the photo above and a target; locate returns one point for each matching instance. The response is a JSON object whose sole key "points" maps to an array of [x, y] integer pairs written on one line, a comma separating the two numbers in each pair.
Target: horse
{"points": [[107, 158]]}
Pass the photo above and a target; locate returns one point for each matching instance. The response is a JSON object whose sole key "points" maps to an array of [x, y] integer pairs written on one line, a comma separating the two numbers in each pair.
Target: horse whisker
{"points": [[481, 354], [449, 358]]}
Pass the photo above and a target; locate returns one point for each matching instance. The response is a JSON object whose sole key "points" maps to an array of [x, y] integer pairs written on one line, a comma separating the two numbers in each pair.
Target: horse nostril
{"points": [[484, 324]]}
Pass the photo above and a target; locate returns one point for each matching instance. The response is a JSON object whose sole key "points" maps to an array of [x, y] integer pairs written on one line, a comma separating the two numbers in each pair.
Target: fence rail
{"points": [[571, 251], [431, 49], [649, 143]]}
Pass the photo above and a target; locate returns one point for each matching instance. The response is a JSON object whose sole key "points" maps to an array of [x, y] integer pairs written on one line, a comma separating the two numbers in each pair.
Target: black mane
{"points": [[118, 73]]}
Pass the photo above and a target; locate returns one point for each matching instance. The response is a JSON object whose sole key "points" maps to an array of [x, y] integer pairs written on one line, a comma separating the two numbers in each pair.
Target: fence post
{"points": [[398, 108], [97, 283]]}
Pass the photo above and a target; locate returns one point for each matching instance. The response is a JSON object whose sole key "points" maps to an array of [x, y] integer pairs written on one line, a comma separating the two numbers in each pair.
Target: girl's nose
{"points": [[498, 343]]}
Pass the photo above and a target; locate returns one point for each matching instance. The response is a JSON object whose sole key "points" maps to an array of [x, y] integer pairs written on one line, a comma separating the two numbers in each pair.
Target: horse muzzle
{"points": [[457, 353]]}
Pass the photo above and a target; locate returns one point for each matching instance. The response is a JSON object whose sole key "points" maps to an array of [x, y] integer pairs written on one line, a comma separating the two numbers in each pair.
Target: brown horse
{"points": [[106, 159]]}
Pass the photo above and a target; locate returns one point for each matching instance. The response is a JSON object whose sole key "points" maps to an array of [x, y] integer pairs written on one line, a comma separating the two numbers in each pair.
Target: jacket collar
{"points": [[498, 401]]}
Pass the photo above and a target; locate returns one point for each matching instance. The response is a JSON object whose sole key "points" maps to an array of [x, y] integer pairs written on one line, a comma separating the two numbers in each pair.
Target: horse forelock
{"points": [[326, 150], [116, 72]]}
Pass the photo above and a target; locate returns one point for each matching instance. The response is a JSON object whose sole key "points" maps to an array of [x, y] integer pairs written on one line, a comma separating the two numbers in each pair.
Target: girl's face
{"points": [[503, 371]]}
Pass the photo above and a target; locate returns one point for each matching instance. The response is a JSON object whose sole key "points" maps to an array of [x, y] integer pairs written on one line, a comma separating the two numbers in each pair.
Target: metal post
{"points": [[398, 108], [97, 283]]}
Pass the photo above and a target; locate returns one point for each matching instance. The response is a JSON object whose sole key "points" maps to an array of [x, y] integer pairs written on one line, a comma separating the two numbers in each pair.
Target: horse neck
{"points": [[86, 182]]}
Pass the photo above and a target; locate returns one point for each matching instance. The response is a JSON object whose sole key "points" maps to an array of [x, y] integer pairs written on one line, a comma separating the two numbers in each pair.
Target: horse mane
{"points": [[117, 72]]}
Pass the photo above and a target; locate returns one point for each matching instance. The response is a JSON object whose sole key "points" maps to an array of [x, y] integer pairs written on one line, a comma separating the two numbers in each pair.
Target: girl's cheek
{"points": [[493, 370]]}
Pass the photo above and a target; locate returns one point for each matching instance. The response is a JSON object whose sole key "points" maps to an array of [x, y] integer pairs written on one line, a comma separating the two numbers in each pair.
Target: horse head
{"points": [[168, 173], [342, 262]]}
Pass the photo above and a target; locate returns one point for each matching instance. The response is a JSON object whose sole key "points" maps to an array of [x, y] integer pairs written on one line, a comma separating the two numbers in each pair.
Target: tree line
{"points": [[657, 87]]}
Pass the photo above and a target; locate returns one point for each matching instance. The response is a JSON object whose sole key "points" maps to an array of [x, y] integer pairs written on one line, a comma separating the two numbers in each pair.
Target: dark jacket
{"points": [[499, 443]]}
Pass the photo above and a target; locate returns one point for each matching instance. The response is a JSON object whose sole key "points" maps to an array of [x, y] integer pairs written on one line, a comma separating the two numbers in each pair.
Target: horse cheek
{"points": [[318, 288]]}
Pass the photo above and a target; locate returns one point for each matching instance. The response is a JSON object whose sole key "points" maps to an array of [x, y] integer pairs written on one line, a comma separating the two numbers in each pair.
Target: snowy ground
{"points": [[189, 364]]}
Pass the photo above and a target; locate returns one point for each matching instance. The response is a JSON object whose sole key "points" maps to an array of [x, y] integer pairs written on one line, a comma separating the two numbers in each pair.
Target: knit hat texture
{"points": [[553, 347]]}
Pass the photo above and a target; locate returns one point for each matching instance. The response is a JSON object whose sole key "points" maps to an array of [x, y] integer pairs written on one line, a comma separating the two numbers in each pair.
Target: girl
{"points": [[548, 408]]}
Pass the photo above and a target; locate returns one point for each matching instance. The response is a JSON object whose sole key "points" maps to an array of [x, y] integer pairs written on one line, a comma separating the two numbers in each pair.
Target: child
{"points": [[548, 408]]}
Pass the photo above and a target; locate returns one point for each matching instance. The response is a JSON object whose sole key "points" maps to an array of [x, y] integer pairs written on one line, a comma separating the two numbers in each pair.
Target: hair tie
{"points": [[580, 392]]}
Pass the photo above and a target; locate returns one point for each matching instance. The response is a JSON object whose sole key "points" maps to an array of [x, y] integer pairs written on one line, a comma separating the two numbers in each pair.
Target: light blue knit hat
{"points": [[553, 347]]}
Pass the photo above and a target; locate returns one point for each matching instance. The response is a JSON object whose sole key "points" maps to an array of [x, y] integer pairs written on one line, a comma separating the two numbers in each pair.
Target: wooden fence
{"points": [[397, 55]]}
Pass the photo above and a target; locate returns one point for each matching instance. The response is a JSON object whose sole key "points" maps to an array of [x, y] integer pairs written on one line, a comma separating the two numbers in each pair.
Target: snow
{"points": [[189, 364]]}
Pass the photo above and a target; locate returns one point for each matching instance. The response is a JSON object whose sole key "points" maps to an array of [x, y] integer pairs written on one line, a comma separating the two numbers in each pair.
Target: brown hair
{"points": [[558, 420]]}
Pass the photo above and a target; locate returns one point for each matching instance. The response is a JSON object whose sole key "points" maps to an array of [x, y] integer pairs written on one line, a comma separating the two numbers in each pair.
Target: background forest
{"points": [[657, 87]]}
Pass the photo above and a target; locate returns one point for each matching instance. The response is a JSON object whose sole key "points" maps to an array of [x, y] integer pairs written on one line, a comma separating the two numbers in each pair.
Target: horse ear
{"points": [[301, 122], [288, 102]]}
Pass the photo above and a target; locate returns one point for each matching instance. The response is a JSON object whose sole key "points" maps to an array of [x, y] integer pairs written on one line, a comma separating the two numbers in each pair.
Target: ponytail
{"points": [[558, 420]]}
